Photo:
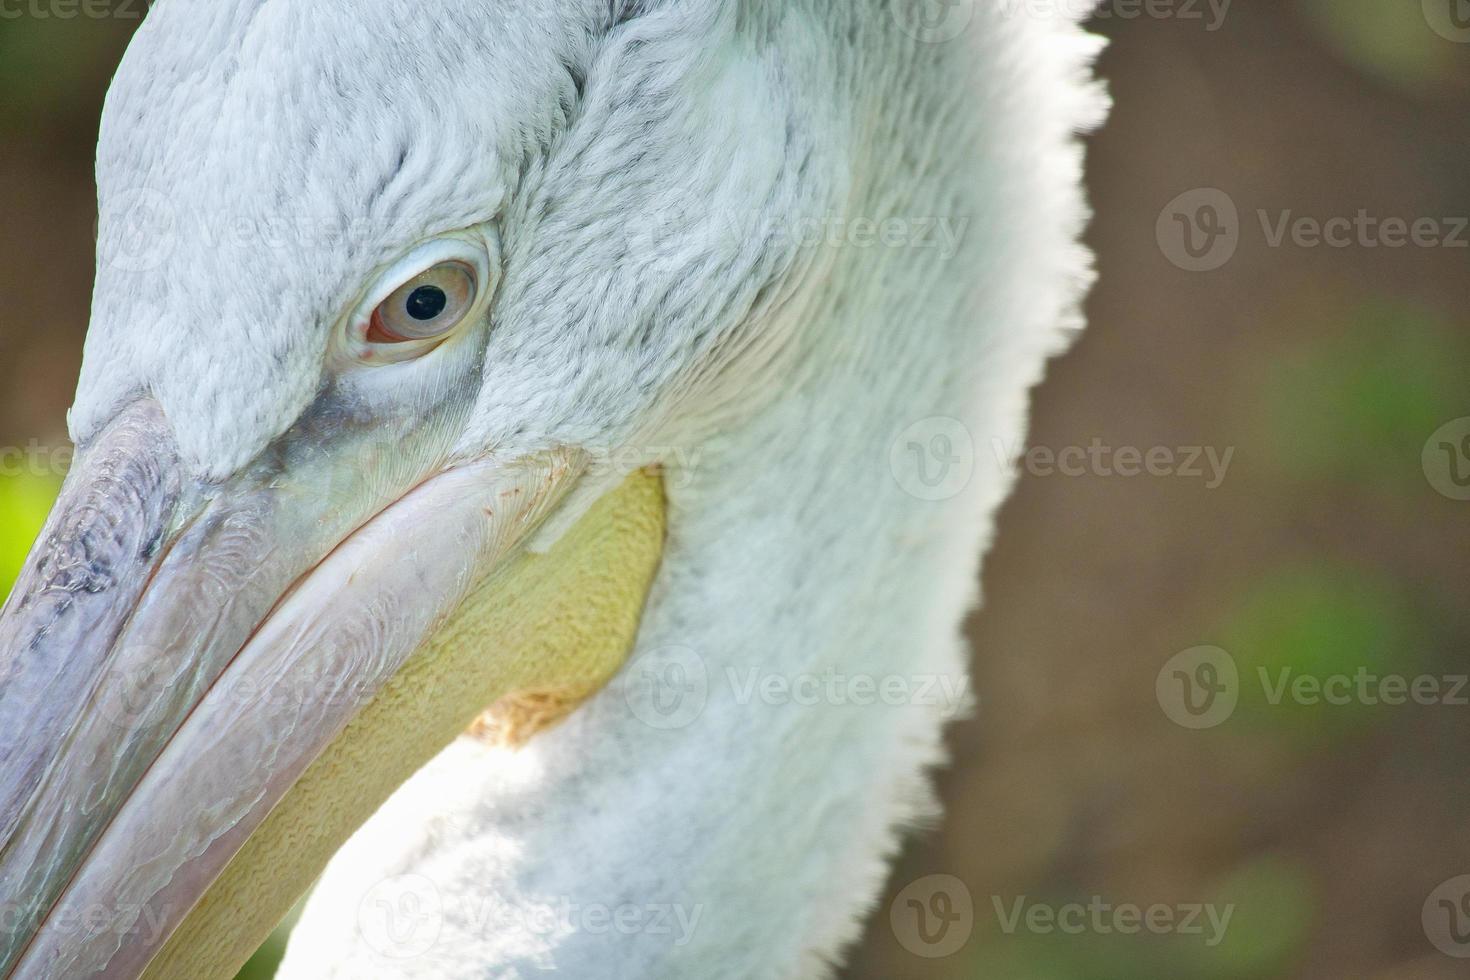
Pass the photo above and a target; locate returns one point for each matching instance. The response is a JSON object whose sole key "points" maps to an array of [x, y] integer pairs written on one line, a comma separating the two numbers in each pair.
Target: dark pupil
{"points": [[426, 302]]}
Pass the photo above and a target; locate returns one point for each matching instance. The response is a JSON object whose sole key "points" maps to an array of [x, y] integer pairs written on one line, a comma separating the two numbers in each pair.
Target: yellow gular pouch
{"points": [[534, 640]]}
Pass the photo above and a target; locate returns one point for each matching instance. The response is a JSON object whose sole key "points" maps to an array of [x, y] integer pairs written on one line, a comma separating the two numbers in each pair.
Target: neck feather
{"points": [[736, 796]]}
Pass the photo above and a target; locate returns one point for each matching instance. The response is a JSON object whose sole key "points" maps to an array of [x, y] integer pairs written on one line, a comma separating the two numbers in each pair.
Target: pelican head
{"points": [[446, 354]]}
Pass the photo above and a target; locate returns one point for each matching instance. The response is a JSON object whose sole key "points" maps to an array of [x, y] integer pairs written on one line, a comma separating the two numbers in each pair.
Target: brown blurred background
{"points": [[1327, 549]]}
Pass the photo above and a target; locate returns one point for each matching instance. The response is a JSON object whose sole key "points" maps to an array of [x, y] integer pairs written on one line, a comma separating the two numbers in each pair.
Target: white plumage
{"points": [[683, 190]]}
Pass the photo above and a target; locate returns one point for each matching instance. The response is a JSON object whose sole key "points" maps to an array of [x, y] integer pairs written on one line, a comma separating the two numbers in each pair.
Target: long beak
{"points": [[176, 656]]}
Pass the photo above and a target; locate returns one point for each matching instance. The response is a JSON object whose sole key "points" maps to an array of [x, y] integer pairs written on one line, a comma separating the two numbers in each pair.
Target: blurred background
{"points": [[1324, 384]]}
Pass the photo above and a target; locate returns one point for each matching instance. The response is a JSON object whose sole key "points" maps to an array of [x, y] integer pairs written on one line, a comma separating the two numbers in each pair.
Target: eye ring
{"points": [[423, 300]]}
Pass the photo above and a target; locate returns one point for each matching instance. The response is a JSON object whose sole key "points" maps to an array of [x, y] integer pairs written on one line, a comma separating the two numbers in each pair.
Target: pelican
{"points": [[533, 460]]}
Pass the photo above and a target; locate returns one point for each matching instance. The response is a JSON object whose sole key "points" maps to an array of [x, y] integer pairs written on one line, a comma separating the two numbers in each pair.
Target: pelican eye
{"points": [[436, 294], [427, 307]]}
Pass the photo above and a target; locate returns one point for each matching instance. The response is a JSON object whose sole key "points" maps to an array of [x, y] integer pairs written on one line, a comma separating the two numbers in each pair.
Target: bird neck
{"points": [[728, 806]]}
